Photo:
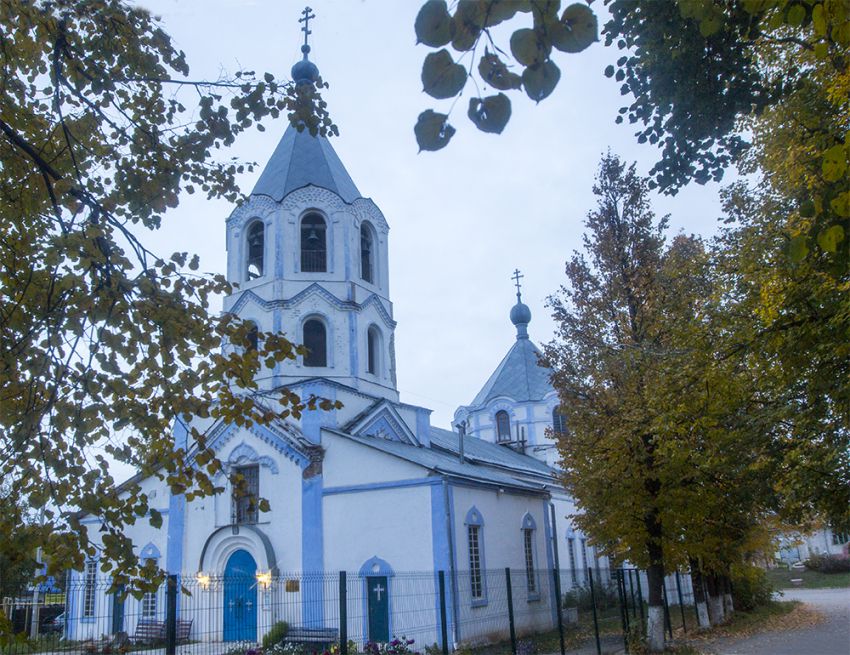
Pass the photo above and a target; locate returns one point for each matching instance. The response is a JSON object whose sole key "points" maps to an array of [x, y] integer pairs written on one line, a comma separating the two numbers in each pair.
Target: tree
{"points": [[104, 344], [603, 362]]}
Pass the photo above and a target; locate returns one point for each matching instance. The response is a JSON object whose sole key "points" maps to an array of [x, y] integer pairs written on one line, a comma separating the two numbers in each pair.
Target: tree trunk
{"points": [[655, 615], [698, 583], [728, 603], [715, 600]]}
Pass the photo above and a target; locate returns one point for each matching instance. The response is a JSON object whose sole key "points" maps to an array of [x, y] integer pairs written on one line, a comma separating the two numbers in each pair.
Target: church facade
{"points": [[371, 488]]}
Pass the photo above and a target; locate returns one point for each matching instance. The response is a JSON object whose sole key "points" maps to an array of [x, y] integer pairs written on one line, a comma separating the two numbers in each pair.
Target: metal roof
{"points": [[301, 159], [484, 452], [519, 376], [442, 462]]}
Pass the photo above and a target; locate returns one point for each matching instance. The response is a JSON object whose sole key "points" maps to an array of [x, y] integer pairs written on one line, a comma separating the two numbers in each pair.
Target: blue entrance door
{"points": [[379, 606], [240, 598]]}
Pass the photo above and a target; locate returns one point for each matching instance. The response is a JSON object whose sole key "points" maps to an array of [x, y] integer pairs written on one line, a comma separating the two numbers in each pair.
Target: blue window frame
{"points": [[475, 551], [528, 528]]}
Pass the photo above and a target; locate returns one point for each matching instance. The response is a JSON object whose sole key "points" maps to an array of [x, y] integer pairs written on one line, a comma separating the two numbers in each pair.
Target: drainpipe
{"points": [[452, 572]]}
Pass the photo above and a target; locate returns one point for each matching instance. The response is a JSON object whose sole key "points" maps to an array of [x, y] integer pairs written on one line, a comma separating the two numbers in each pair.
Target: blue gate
{"points": [[240, 598]]}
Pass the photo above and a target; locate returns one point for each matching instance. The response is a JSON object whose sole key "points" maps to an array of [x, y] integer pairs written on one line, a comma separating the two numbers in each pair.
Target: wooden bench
{"points": [[298, 635], [149, 631]]}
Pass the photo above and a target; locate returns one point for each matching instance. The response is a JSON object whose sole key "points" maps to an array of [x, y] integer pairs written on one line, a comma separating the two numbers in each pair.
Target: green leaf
{"points": [[796, 15], [807, 209], [829, 238], [465, 32], [441, 76], [494, 71], [432, 130], [577, 29], [490, 114], [540, 80], [834, 163], [527, 48], [841, 204], [433, 24], [797, 248]]}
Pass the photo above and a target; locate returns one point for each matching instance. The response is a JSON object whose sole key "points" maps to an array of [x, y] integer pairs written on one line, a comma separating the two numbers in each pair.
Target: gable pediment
{"points": [[384, 422]]}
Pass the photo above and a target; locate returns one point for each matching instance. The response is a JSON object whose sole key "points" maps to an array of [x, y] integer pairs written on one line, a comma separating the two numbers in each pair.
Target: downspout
{"points": [[452, 571]]}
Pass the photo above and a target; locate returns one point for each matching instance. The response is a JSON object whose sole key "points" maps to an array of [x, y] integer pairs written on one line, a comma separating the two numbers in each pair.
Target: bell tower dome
{"points": [[308, 257]]}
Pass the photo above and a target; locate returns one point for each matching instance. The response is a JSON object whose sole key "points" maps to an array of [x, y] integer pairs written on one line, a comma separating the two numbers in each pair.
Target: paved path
{"points": [[832, 637]]}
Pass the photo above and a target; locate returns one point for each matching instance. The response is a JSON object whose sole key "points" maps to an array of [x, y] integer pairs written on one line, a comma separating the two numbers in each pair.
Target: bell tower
{"points": [[308, 256]]}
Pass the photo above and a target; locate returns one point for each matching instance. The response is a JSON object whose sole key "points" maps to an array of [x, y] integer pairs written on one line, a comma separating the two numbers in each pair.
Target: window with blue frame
{"points": [[475, 582], [89, 588], [528, 548], [571, 547], [475, 551]]}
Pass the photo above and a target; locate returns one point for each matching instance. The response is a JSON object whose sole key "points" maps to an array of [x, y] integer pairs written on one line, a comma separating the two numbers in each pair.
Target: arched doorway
{"points": [[240, 597]]}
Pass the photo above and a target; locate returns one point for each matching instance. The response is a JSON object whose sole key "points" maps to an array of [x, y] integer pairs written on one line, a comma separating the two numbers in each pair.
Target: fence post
{"points": [[557, 578], [511, 608], [624, 609], [444, 628], [666, 609], [632, 590], [681, 603], [343, 614], [640, 600], [171, 615], [593, 605]]}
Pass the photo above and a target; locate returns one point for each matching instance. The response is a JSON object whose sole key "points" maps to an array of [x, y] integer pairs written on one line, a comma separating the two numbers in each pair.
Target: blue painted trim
{"points": [[441, 551], [368, 568], [375, 486], [366, 572], [337, 303], [550, 557], [346, 250], [71, 590], [176, 531], [474, 517], [312, 421], [528, 522], [354, 349], [312, 553], [491, 486], [279, 258], [277, 327], [149, 551]]}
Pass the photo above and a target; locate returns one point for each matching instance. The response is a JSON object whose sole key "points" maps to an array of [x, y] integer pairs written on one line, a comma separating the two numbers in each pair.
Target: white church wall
{"points": [[350, 463], [501, 542]]}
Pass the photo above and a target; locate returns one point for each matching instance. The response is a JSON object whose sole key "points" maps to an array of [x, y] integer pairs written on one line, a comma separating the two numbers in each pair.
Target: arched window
{"points": [[367, 253], [253, 336], [475, 551], [559, 422], [256, 249], [316, 341], [503, 426], [373, 350], [314, 252]]}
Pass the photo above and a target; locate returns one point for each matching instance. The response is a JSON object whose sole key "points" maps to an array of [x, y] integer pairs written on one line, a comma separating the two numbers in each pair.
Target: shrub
{"points": [[828, 563], [750, 587], [276, 634], [606, 597]]}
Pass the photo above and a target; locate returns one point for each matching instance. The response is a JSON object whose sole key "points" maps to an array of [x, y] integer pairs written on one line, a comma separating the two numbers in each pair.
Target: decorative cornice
{"points": [[314, 289], [244, 454]]}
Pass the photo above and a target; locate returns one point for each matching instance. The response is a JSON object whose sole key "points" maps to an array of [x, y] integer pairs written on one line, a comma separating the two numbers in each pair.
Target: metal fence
{"points": [[488, 611]]}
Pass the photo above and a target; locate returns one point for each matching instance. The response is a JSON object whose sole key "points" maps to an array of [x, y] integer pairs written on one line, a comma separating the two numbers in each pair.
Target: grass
{"points": [[781, 579]]}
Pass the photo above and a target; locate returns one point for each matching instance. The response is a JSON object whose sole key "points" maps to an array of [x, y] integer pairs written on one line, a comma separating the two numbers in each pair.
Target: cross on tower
{"points": [[516, 277], [306, 20]]}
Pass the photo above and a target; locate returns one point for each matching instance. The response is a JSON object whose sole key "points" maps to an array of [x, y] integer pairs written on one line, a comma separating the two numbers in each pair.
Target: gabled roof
{"points": [[490, 454], [444, 463], [519, 376], [301, 160]]}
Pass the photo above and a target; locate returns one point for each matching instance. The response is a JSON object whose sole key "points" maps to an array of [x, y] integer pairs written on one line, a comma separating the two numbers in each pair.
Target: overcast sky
{"points": [[461, 220]]}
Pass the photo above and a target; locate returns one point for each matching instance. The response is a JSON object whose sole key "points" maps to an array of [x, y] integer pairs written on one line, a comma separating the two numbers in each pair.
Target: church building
{"points": [[373, 488]]}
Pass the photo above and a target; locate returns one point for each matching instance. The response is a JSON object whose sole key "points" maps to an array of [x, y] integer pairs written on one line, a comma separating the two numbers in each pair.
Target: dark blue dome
{"points": [[305, 70]]}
